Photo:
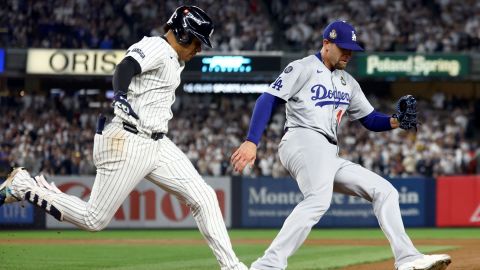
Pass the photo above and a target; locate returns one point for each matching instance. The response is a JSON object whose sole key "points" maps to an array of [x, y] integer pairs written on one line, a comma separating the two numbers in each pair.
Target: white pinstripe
{"points": [[123, 159], [152, 93]]}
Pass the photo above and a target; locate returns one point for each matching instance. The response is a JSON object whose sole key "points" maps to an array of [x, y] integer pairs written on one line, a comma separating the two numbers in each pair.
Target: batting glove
{"points": [[120, 101]]}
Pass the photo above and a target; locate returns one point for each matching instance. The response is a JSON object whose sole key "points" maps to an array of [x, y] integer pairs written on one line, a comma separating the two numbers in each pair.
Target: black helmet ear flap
{"points": [[182, 36]]}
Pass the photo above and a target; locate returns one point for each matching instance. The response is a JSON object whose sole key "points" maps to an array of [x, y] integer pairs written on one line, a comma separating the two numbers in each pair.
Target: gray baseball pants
{"points": [[319, 171]]}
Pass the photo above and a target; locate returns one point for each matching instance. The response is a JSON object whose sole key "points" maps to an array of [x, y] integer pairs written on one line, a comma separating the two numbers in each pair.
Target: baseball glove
{"points": [[407, 112]]}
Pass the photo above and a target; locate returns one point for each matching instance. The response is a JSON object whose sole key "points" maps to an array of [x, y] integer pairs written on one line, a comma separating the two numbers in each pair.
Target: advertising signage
{"points": [[16, 214], [415, 65], [2, 60], [73, 62], [233, 64], [103, 62], [266, 202], [147, 206], [458, 201]]}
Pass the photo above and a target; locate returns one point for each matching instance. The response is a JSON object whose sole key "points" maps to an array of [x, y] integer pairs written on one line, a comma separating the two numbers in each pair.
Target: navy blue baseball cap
{"points": [[343, 35]]}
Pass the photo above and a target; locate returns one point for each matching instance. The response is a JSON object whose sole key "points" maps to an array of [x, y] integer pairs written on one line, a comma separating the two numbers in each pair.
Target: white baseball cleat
{"points": [[428, 262], [42, 182], [14, 188]]}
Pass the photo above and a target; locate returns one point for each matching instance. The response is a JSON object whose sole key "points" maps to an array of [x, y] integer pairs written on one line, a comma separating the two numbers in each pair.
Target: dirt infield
{"points": [[465, 257]]}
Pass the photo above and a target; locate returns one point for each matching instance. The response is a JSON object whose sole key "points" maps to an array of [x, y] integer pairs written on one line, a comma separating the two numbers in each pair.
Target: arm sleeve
{"points": [[123, 75], [262, 113], [376, 121]]}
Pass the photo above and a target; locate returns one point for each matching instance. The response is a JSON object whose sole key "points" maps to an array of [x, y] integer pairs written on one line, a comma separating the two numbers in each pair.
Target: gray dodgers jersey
{"points": [[317, 98], [152, 92]]}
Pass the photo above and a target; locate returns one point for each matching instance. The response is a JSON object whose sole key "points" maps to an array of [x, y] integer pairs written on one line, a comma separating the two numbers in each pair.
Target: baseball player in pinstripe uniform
{"points": [[318, 92], [134, 146]]}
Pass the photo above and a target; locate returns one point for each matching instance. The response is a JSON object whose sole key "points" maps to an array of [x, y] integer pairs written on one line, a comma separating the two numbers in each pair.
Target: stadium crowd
{"points": [[54, 136], [119, 23], [422, 26]]}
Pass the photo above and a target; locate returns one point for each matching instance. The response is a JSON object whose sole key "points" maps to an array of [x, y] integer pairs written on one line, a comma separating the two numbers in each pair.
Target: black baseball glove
{"points": [[407, 112]]}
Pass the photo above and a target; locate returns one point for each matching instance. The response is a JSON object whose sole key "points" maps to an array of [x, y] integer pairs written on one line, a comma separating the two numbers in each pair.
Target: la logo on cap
{"points": [[354, 37], [333, 34]]}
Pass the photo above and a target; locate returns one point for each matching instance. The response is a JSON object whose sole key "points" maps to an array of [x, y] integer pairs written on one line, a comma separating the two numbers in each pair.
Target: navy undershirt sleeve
{"points": [[376, 121], [262, 112], [123, 75]]}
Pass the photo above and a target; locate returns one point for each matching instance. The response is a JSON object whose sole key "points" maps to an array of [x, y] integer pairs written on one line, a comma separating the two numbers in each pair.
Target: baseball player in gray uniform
{"points": [[318, 92], [134, 145]]}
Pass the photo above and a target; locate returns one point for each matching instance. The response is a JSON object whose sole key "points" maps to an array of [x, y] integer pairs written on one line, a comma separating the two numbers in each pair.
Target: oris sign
{"points": [[73, 62], [148, 206]]}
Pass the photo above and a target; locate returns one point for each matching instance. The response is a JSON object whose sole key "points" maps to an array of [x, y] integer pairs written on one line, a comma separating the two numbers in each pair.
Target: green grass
{"points": [[417, 233], [374, 233], [140, 256]]}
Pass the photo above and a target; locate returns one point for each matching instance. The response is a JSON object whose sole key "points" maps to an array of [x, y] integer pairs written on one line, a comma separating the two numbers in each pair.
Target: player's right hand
{"points": [[120, 101], [245, 154]]}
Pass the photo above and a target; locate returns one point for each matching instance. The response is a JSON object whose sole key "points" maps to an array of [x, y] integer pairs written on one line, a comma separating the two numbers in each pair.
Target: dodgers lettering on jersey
{"points": [[152, 92], [317, 98]]}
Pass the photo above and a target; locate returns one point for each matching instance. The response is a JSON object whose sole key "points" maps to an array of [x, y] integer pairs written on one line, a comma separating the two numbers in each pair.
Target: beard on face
{"points": [[340, 65]]}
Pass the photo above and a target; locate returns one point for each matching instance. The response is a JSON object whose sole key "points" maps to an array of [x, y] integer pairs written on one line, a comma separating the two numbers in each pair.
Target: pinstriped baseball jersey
{"points": [[317, 98], [152, 92], [123, 158]]}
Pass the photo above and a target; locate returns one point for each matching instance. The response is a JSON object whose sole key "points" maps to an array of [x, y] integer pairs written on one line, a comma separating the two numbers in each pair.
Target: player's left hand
{"points": [[121, 102], [406, 113], [245, 154]]}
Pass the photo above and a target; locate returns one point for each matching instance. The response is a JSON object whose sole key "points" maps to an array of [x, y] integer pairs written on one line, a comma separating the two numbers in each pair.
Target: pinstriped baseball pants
{"points": [[123, 159]]}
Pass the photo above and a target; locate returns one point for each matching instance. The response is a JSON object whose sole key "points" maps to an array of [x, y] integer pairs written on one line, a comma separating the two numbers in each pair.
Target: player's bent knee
{"points": [[95, 227], [387, 192], [206, 199], [318, 204], [209, 196], [393, 194], [96, 222]]}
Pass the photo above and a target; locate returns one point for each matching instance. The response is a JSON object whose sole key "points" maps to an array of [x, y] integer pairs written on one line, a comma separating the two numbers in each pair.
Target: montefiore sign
{"points": [[439, 65], [264, 196], [267, 202]]}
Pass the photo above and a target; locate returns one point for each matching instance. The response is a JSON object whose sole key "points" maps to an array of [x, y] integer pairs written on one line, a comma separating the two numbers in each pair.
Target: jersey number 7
{"points": [[339, 116]]}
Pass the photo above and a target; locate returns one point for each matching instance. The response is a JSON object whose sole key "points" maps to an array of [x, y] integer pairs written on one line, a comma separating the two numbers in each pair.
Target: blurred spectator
{"points": [[51, 135], [111, 24], [421, 26]]}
